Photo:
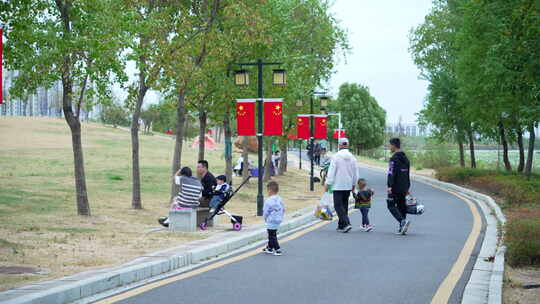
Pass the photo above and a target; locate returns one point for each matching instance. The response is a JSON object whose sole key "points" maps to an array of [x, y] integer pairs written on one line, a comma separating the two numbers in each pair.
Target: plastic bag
{"points": [[323, 210], [327, 199]]}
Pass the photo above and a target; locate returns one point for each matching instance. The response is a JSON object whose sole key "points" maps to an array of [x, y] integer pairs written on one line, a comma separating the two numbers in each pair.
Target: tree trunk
{"points": [[179, 140], [31, 105], [136, 202], [202, 132], [24, 106], [228, 147], [283, 157], [461, 154], [471, 148], [268, 163], [521, 164], [83, 207], [530, 152], [245, 157], [504, 143]]}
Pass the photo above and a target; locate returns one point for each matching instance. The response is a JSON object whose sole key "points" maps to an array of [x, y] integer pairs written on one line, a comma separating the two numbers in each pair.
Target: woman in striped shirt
{"points": [[189, 195]]}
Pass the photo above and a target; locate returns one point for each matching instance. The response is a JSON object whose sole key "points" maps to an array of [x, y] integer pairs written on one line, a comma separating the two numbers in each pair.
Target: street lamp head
{"points": [[279, 77], [324, 101], [241, 78]]}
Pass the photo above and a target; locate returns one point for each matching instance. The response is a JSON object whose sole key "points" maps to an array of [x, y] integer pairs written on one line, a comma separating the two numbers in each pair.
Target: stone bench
{"points": [[188, 220]]}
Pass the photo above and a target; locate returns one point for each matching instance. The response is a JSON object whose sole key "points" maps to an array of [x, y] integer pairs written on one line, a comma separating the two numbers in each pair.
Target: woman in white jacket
{"points": [[342, 178]]}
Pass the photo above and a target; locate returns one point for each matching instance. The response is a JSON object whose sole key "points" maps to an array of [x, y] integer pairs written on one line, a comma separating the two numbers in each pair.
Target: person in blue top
{"points": [[273, 212]]}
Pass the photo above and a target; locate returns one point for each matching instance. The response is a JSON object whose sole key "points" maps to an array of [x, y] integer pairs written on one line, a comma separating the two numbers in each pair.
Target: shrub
{"points": [[452, 174], [523, 241]]}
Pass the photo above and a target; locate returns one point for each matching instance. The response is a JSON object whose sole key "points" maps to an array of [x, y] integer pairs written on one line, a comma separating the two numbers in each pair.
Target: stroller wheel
{"points": [[203, 226], [237, 226]]}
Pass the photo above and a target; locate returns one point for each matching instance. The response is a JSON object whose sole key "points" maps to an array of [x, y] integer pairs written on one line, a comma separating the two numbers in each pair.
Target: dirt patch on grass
{"points": [[518, 283], [39, 227]]}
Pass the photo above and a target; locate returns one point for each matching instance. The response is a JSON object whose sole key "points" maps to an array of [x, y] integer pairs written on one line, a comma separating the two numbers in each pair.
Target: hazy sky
{"points": [[378, 34]]}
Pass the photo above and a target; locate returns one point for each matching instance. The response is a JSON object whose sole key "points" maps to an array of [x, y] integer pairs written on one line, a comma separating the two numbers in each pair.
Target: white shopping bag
{"points": [[327, 200]]}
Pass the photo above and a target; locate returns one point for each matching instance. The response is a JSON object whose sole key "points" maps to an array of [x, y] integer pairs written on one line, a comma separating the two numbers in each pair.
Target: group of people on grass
{"points": [[207, 192], [341, 181], [238, 169]]}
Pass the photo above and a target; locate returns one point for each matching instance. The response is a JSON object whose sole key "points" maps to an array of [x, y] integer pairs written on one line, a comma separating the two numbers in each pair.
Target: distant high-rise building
{"points": [[408, 129]]}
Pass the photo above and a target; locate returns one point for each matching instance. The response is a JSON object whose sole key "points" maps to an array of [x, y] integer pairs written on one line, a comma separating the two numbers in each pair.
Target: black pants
{"points": [[397, 205], [272, 239], [341, 204]]}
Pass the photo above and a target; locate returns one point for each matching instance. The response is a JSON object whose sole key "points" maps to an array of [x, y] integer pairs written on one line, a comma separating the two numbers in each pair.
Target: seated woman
{"points": [[189, 194]]}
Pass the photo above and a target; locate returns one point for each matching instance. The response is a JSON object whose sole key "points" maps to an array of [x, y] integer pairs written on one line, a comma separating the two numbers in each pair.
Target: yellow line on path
{"points": [[204, 269], [441, 296], [445, 289]]}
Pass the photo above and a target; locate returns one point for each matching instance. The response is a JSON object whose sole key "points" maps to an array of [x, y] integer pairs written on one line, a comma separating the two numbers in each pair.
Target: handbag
{"points": [[414, 207]]}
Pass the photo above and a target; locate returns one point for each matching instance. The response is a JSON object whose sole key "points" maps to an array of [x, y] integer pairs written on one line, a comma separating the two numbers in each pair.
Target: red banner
{"points": [[302, 126], [337, 135], [245, 117], [273, 117], [321, 122], [1, 66]]}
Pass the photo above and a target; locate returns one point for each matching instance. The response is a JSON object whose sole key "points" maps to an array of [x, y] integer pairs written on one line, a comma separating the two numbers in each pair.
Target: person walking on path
{"points": [[273, 212], [398, 182], [342, 178], [363, 202]]}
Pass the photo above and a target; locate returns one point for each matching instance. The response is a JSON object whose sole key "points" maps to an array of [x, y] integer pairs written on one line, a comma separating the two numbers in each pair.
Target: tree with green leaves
{"points": [[76, 42], [362, 117]]}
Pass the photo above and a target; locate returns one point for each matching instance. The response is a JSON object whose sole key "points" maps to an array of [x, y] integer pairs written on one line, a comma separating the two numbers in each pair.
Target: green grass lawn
{"points": [[38, 222]]}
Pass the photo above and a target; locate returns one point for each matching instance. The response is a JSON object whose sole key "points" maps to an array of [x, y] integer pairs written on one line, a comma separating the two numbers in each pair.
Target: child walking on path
{"points": [[273, 212], [363, 202]]}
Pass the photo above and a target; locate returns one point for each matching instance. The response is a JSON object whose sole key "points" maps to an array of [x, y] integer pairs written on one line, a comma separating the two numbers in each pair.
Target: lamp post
{"points": [[312, 135], [299, 104], [242, 79], [339, 124]]}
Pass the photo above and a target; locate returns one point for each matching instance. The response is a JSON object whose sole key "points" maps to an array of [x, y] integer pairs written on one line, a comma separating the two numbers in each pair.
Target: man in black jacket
{"points": [[398, 185], [208, 182]]}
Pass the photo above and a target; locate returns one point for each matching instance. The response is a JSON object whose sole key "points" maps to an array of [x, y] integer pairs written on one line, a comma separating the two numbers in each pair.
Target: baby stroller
{"points": [[236, 220]]}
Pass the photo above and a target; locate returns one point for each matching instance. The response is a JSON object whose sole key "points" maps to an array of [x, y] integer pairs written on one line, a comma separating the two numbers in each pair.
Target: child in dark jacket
{"points": [[363, 202]]}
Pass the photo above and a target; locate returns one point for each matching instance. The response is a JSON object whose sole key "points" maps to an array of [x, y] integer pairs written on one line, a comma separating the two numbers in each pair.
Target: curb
{"points": [[76, 287], [486, 280]]}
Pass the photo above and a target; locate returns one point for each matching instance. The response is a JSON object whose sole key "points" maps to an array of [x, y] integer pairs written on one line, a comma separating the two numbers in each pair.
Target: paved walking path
{"points": [[324, 266]]}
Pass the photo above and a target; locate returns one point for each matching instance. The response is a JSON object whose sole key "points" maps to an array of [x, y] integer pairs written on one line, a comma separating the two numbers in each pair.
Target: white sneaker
{"points": [[268, 250], [368, 228], [405, 227], [347, 229]]}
